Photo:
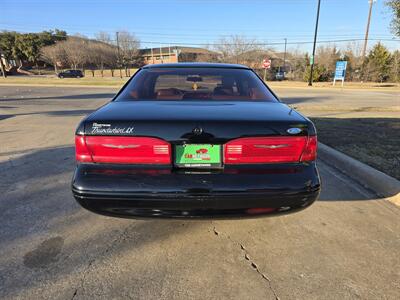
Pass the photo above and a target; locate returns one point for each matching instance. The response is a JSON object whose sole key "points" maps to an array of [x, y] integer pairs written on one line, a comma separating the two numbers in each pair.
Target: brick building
{"points": [[175, 54]]}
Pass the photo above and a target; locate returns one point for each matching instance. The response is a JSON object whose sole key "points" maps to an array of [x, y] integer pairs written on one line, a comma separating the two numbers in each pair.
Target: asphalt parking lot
{"points": [[345, 246]]}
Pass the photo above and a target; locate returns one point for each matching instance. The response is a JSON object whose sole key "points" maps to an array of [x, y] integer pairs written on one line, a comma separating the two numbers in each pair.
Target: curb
{"points": [[383, 185], [328, 88]]}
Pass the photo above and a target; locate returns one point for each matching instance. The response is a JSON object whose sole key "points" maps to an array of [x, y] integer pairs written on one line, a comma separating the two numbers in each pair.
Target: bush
{"points": [[378, 64], [320, 73]]}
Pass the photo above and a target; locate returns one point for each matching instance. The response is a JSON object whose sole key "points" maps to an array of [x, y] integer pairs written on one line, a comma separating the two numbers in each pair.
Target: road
{"points": [[345, 246]]}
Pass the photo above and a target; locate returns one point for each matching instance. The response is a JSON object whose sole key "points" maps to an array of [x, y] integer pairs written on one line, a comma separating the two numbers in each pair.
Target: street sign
{"points": [[340, 71], [266, 64]]}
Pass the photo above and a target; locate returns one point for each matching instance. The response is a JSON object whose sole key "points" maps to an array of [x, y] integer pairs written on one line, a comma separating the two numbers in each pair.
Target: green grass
{"points": [[86, 81], [374, 141], [116, 81]]}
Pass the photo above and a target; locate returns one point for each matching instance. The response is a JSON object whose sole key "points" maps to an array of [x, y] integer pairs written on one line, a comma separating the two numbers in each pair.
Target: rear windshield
{"points": [[206, 84]]}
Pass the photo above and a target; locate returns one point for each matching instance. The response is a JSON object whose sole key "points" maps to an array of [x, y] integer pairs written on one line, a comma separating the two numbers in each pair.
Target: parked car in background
{"points": [[280, 75], [71, 74], [195, 140]]}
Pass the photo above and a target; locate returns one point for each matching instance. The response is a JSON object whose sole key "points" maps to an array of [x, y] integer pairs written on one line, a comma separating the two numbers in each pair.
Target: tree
{"points": [[352, 54], [129, 50], [46, 38], [55, 55], [104, 37], [395, 6], [7, 44], [108, 53], [297, 65], [76, 51], [111, 55], [101, 55], [377, 64], [235, 49], [326, 57], [395, 70], [10, 46], [319, 73], [29, 46]]}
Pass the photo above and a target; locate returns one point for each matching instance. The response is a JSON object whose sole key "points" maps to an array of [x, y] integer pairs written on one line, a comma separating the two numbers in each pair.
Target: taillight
{"points": [[123, 150], [310, 151], [82, 153], [258, 150]]}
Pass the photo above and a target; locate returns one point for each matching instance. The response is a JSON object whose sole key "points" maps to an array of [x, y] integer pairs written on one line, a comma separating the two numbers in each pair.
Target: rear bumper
{"points": [[134, 191]]}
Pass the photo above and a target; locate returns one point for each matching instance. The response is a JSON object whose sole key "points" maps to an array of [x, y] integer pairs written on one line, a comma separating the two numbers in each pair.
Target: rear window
{"points": [[196, 84]]}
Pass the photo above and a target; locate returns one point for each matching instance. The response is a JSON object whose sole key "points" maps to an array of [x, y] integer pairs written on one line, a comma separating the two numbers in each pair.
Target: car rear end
{"points": [[195, 159]]}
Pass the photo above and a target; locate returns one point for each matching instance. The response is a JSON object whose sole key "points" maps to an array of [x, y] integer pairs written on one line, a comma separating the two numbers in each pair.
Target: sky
{"points": [[200, 22]]}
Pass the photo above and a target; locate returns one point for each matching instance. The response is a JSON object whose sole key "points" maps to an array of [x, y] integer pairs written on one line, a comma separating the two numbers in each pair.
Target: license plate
{"points": [[198, 156]]}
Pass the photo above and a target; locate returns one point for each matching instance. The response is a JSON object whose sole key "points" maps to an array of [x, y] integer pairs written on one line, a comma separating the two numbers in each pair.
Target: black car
{"points": [[71, 74], [195, 140]]}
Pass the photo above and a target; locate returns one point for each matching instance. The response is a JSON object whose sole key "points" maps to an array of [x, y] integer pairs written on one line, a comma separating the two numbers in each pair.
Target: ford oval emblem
{"points": [[294, 130], [197, 130]]}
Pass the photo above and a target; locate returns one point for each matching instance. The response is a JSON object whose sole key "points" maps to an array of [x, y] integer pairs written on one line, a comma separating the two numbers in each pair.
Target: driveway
{"points": [[345, 246]]}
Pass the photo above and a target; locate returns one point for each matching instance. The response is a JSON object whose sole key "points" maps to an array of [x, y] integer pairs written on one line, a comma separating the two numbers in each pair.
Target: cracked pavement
{"points": [[345, 246], [251, 261]]}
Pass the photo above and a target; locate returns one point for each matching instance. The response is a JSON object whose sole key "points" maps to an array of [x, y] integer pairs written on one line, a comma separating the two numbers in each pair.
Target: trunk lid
{"points": [[195, 121]]}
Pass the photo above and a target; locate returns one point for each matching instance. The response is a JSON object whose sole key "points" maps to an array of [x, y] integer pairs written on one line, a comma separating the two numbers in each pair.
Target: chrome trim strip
{"points": [[120, 146], [272, 146]]}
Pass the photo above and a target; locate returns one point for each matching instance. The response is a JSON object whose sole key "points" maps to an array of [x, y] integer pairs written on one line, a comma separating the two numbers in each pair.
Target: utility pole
{"points": [[284, 58], [161, 57], [315, 42], [119, 55], [371, 3]]}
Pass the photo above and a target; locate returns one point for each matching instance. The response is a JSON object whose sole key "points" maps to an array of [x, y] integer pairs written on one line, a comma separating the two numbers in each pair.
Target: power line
{"points": [[189, 31], [253, 43], [181, 38], [271, 37], [278, 43]]}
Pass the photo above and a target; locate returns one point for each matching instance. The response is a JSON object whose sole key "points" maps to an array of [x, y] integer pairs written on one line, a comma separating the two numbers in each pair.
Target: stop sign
{"points": [[266, 63]]}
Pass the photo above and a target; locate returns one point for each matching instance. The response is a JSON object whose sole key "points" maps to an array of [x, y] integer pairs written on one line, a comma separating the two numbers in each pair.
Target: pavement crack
{"points": [[75, 293], [252, 263], [118, 240]]}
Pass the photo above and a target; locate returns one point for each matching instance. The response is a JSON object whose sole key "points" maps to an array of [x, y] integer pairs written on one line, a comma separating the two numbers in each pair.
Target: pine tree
{"points": [[377, 65]]}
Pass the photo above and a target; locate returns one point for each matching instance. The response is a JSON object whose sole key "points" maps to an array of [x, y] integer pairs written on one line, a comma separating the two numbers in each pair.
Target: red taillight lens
{"points": [[310, 152], [260, 150], [126, 150], [82, 152]]}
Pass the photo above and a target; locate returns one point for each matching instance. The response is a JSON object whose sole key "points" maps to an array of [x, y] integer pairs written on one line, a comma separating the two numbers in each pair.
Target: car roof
{"points": [[196, 65]]}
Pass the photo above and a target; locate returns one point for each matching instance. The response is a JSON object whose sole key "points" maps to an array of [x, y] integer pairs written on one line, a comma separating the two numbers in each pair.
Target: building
{"points": [[174, 54]]}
